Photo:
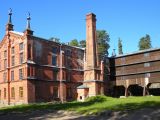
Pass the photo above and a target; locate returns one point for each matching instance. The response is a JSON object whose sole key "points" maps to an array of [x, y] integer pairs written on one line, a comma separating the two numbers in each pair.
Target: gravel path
{"points": [[142, 114]]}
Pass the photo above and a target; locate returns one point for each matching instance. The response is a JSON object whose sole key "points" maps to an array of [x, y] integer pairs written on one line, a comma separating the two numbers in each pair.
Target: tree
{"points": [[145, 43], [82, 43], [103, 43], [120, 51], [74, 42], [54, 39]]}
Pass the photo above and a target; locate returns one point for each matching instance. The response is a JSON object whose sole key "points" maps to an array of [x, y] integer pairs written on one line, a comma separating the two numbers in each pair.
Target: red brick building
{"points": [[33, 69]]}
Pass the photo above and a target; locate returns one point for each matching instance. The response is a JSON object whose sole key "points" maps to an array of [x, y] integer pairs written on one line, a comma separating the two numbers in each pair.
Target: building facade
{"points": [[136, 73], [34, 69]]}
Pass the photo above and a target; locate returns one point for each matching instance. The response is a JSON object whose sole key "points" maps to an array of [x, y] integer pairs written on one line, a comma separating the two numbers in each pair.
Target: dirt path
{"points": [[142, 114]]}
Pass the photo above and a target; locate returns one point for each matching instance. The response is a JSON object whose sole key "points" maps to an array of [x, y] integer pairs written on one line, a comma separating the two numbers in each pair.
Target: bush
{"points": [[98, 98]]}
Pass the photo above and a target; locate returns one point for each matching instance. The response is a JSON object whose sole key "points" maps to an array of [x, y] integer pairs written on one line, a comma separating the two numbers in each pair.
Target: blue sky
{"points": [[128, 19]]}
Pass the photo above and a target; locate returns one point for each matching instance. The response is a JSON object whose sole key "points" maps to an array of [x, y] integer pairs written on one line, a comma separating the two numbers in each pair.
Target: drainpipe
{"points": [[61, 74], [8, 67]]}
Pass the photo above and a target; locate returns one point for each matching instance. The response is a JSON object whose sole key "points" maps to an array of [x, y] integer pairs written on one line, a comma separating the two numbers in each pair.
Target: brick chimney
{"points": [[91, 43]]}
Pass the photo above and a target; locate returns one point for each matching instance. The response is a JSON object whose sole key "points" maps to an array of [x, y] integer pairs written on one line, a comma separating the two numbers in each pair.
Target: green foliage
{"points": [[145, 43], [120, 51], [103, 43], [96, 99], [82, 43], [74, 42], [54, 39]]}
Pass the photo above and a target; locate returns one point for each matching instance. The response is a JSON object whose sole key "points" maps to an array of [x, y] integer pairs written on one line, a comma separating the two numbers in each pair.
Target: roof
{"points": [[19, 33], [40, 38], [138, 52], [82, 87]]}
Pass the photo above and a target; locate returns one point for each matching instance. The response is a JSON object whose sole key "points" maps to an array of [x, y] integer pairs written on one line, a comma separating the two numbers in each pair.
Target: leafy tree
{"points": [[82, 43], [103, 43], [55, 39], [74, 42], [120, 46], [145, 43]]}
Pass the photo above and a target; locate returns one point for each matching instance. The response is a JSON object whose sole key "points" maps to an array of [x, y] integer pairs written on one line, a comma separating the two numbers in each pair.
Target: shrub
{"points": [[98, 98]]}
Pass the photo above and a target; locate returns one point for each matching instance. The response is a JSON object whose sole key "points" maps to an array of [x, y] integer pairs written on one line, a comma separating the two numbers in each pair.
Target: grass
{"points": [[92, 105]]}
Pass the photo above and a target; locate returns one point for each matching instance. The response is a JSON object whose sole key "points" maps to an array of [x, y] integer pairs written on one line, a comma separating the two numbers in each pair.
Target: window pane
{"points": [[54, 50], [21, 46], [55, 73], [12, 50], [5, 54], [146, 64], [12, 93], [4, 76], [12, 60], [12, 75], [5, 64], [54, 60], [21, 58], [20, 74], [20, 92], [5, 94], [55, 92]]}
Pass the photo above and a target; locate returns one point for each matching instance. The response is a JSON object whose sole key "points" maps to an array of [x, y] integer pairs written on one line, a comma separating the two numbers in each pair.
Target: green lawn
{"points": [[92, 105]]}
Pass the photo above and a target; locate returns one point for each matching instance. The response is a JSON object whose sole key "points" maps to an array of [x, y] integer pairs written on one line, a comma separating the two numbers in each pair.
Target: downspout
{"points": [[8, 67], [61, 74]]}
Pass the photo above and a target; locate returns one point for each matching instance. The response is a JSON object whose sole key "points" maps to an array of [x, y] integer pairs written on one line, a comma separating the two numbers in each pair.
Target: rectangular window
{"points": [[146, 54], [20, 46], [21, 58], [12, 61], [55, 73], [54, 60], [55, 92], [68, 53], [12, 75], [5, 64], [5, 54], [68, 61], [12, 93], [146, 64], [12, 50], [4, 76], [20, 74], [54, 50], [29, 51], [5, 93], [21, 92]]}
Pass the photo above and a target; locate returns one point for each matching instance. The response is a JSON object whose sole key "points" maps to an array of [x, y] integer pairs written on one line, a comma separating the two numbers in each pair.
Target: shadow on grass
{"points": [[42, 110], [59, 106]]}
